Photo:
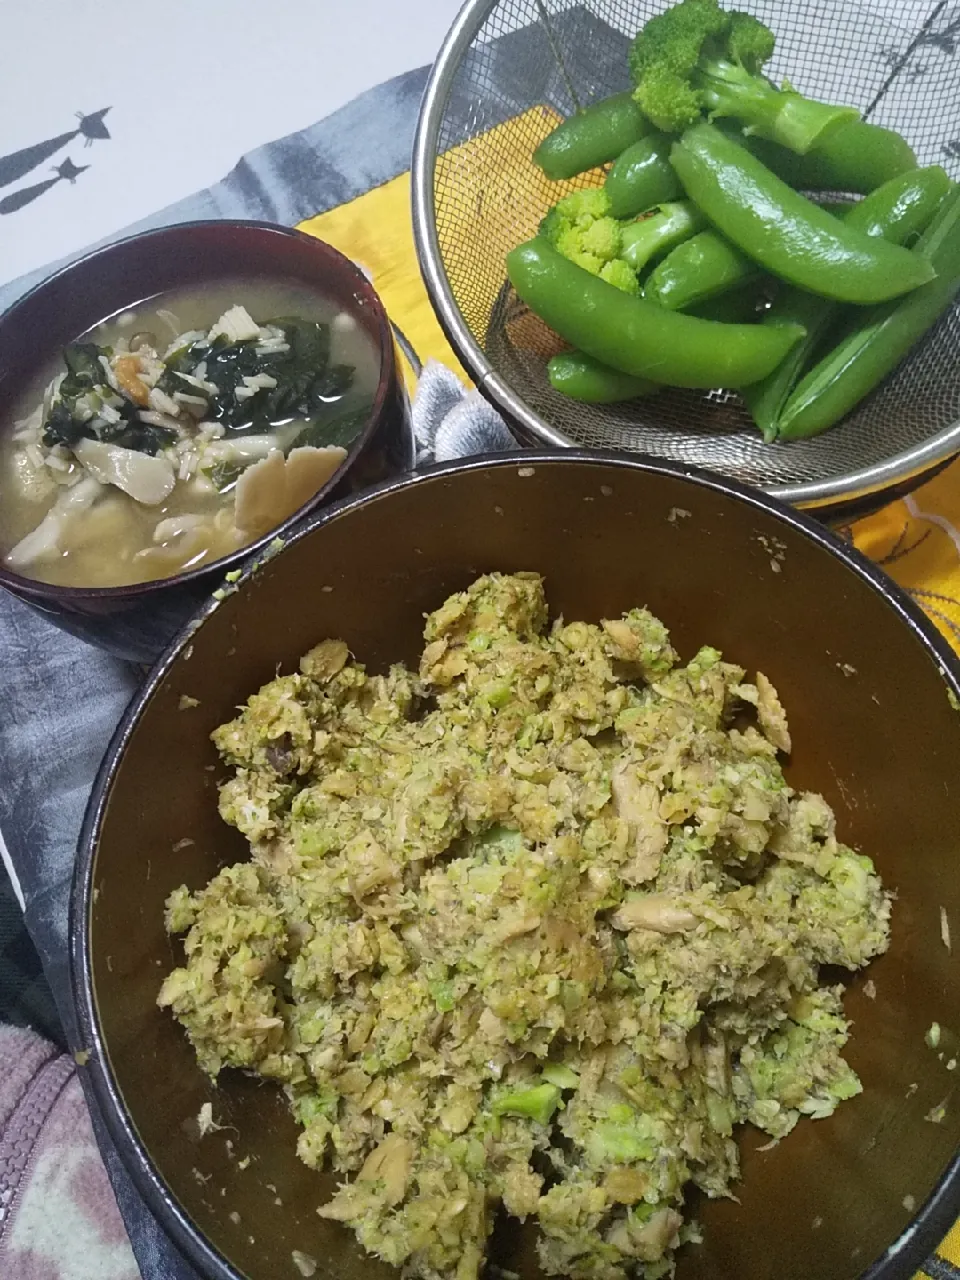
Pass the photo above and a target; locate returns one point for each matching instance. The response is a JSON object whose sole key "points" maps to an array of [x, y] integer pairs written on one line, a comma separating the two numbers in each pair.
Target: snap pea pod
{"points": [[700, 268], [898, 211], [581, 377], [837, 207], [783, 231], [858, 157], [639, 337], [902, 208], [593, 136], [882, 337], [642, 176], [658, 231], [740, 305]]}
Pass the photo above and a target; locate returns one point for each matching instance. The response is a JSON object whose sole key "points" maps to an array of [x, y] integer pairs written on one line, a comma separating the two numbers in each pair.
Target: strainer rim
{"points": [[436, 94]]}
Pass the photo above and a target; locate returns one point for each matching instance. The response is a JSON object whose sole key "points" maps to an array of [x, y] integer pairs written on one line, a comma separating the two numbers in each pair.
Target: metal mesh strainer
{"points": [[506, 71]]}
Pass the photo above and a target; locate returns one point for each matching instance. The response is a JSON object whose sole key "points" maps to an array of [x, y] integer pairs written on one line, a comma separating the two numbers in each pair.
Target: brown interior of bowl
{"points": [[123, 274], [873, 731]]}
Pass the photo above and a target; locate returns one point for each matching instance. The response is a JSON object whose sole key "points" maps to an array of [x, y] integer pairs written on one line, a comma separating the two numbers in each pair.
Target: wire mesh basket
{"points": [[510, 69]]}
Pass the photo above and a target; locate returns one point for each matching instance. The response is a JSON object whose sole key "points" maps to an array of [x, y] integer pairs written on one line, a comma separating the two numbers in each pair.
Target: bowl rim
{"points": [[900, 468], [931, 1221], [48, 592]]}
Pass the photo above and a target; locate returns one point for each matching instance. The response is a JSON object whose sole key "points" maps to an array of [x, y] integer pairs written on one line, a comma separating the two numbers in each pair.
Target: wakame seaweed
{"points": [[304, 381], [307, 385], [224, 475], [61, 427], [340, 430], [84, 370], [64, 425]]}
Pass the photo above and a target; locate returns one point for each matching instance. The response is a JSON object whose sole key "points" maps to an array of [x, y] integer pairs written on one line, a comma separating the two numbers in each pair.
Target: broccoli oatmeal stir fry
{"points": [[534, 927]]}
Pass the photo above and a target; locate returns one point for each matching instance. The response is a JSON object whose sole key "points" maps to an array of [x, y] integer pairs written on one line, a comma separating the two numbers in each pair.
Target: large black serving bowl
{"points": [[137, 621], [871, 690]]}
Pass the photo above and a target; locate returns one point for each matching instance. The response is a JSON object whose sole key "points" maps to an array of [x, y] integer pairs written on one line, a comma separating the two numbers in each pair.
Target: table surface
{"points": [[190, 88]]}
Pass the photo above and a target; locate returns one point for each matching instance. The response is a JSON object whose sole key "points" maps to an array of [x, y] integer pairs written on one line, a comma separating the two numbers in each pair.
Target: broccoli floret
{"points": [[669, 99], [603, 238], [672, 41], [583, 207], [553, 225], [698, 59], [580, 227], [750, 42], [620, 276], [570, 243]]}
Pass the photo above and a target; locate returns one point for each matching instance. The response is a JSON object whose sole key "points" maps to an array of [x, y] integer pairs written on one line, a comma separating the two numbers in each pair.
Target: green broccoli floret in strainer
{"points": [[581, 228], [697, 59]]}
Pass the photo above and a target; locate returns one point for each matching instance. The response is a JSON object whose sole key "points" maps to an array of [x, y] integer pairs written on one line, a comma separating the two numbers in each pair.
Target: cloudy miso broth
{"points": [[180, 430]]}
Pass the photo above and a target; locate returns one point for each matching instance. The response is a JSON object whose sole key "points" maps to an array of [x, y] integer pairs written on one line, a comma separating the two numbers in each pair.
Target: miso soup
{"points": [[180, 430]]}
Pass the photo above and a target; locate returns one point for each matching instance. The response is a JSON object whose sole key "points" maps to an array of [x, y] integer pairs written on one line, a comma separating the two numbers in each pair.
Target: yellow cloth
{"points": [[916, 540], [375, 231]]}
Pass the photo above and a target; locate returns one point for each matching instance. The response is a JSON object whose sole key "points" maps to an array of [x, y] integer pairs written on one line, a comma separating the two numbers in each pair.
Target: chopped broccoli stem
{"points": [[620, 1143], [657, 232], [782, 116], [536, 1103], [563, 1077]]}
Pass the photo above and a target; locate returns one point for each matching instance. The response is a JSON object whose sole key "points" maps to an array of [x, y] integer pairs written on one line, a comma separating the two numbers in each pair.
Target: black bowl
{"points": [[871, 689], [137, 621]]}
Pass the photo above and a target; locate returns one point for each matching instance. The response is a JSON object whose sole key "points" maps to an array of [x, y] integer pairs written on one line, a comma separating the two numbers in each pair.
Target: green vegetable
{"points": [[313, 1106], [562, 1076], [591, 137], [84, 369], [640, 337], [224, 475], [622, 1143], [839, 208], [641, 177], [720, 1113], [881, 338], [582, 229], [536, 1103], [63, 424], [61, 427], [785, 232], [338, 429], [697, 59], [443, 995], [139, 436], [856, 157], [582, 378], [305, 380], [897, 211], [81, 393], [700, 268], [658, 231], [740, 305], [902, 208], [331, 385]]}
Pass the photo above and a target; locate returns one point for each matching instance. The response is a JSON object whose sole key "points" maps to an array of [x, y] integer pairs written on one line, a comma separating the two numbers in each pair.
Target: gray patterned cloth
{"points": [[60, 700]]}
